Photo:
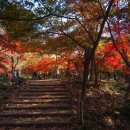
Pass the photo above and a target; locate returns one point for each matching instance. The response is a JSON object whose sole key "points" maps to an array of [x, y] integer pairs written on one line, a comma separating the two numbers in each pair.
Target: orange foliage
{"points": [[108, 58]]}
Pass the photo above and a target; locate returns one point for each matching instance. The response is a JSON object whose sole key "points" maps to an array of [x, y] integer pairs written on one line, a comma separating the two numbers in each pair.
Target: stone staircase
{"points": [[40, 105]]}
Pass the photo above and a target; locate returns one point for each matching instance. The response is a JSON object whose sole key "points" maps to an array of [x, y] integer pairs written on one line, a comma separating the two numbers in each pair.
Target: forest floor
{"points": [[103, 107]]}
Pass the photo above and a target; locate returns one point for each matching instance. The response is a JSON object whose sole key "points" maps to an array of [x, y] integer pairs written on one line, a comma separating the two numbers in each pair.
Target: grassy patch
{"points": [[118, 85]]}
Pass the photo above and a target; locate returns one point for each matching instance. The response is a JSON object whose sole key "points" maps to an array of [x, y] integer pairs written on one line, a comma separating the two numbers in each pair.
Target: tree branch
{"points": [[101, 29], [75, 41], [23, 19], [86, 30]]}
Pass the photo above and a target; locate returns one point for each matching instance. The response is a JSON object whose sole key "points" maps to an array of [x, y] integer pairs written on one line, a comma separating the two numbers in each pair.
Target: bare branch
{"points": [[75, 41], [86, 30], [23, 19]]}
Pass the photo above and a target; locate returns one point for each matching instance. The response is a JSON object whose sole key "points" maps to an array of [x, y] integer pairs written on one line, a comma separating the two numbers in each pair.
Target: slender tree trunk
{"points": [[68, 69], [77, 69], [12, 66], [84, 86], [95, 73], [91, 72], [12, 69]]}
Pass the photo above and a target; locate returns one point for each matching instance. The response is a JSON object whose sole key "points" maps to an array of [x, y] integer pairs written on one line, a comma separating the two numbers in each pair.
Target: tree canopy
{"points": [[78, 37]]}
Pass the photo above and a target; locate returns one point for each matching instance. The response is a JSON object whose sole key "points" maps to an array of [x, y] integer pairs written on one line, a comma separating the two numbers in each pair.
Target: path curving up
{"points": [[40, 105]]}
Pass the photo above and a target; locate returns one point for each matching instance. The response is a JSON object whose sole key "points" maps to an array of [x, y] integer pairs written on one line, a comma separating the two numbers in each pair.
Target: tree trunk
{"points": [[84, 86], [68, 69], [95, 74], [12, 66], [88, 56], [91, 72], [77, 69]]}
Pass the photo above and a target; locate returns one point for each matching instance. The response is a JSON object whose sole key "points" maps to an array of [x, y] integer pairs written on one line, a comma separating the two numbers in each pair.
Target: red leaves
{"points": [[3, 63], [109, 59], [114, 61], [43, 65]]}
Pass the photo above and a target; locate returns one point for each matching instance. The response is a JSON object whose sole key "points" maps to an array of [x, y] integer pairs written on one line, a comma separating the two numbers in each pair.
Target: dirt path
{"points": [[40, 105]]}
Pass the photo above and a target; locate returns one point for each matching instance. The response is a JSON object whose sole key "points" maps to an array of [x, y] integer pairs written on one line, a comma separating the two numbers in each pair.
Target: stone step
{"points": [[42, 97], [36, 114], [48, 85], [52, 110], [35, 124], [40, 94], [35, 104], [44, 90], [39, 106], [62, 92], [55, 92], [36, 119], [40, 102]]}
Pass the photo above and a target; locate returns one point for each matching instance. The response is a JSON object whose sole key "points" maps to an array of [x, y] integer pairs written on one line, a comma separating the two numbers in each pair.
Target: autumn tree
{"points": [[107, 58], [82, 32], [118, 27], [3, 43]]}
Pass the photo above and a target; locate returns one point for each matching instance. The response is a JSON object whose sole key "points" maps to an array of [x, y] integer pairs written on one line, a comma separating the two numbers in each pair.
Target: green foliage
{"points": [[17, 20], [121, 111], [118, 85]]}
